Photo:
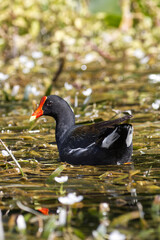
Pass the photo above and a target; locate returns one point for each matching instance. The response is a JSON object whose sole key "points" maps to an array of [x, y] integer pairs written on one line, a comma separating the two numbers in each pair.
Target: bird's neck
{"points": [[64, 121]]}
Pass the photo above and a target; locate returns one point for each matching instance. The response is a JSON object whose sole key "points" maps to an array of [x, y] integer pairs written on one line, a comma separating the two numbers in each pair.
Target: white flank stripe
{"points": [[80, 150]]}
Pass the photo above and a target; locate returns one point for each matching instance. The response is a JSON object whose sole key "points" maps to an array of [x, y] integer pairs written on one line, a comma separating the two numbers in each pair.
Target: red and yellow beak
{"points": [[39, 111]]}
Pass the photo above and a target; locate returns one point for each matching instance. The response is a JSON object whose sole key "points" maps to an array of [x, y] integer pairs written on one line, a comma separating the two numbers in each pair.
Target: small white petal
{"points": [[76, 101], [144, 60], [104, 208], [23, 59], [32, 90], [1, 227], [116, 235], [26, 70], [17, 170], [37, 54], [138, 53], [21, 224], [70, 41], [3, 76], [133, 192], [70, 199], [156, 104], [154, 78], [83, 67], [141, 152], [5, 153], [62, 179], [129, 112], [29, 64], [15, 90], [89, 58], [127, 38], [62, 216], [87, 92], [100, 232], [68, 86]]}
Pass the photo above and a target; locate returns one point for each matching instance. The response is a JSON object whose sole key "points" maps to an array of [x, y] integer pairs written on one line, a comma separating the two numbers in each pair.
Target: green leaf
{"points": [[55, 173], [49, 89], [78, 233], [125, 218]]}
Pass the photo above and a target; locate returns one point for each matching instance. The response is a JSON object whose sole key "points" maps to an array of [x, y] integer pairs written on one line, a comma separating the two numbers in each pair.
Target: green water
{"points": [[131, 190]]}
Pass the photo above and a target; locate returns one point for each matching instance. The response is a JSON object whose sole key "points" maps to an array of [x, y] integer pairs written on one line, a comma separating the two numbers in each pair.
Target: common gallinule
{"points": [[101, 143]]}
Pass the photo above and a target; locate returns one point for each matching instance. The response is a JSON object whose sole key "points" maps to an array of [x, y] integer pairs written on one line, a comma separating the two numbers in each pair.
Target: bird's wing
{"points": [[87, 134]]}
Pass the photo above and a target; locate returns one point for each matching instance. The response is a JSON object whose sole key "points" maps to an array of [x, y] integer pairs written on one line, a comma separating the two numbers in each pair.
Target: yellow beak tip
{"points": [[32, 118]]}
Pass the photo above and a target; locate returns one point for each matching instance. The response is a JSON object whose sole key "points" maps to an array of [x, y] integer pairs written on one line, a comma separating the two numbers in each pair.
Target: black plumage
{"points": [[107, 142]]}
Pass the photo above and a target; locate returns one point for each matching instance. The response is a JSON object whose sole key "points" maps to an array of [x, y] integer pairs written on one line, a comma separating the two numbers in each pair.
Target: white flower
{"points": [[87, 92], [144, 60], [15, 90], [37, 54], [127, 38], [26, 70], [156, 104], [127, 112], [83, 67], [21, 224], [29, 64], [89, 58], [68, 86], [116, 235], [100, 232], [138, 53], [17, 170], [70, 199], [155, 78], [31, 90], [104, 208], [23, 59], [5, 153], [3, 76], [70, 41], [62, 216], [62, 179], [26, 63], [134, 195]]}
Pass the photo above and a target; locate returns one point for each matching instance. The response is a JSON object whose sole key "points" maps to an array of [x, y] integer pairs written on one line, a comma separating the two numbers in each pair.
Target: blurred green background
{"points": [[42, 40]]}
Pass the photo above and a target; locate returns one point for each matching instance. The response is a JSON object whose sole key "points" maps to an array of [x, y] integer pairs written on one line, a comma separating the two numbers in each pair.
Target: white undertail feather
{"points": [[110, 139], [129, 137]]}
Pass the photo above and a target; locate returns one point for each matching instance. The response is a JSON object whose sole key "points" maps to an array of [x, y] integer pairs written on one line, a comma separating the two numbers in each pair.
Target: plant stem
{"points": [[10, 153]]}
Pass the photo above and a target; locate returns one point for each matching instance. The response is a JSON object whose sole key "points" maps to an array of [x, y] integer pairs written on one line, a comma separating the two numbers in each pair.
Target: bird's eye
{"points": [[49, 103]]}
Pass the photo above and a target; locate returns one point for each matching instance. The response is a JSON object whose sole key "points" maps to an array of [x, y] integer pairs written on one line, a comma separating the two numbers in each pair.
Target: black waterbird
{"points": [[106, 142]]}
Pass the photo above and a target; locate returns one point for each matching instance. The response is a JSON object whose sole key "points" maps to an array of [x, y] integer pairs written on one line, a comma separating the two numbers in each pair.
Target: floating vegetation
{"points": [[105, 63]]}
